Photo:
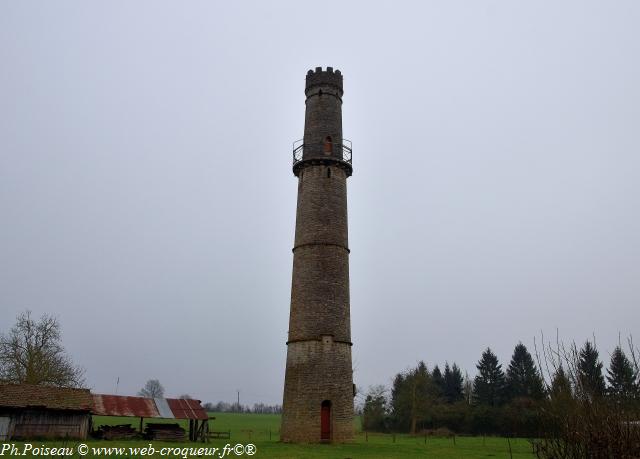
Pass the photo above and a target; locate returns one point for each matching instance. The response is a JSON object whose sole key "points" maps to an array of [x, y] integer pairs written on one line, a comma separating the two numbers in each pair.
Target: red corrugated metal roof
{"points": [[55, 398], [120, 405], [187, 409]]}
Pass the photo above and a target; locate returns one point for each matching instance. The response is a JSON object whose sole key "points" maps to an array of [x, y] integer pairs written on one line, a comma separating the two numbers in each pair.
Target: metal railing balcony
{"points": [[339, 151]]}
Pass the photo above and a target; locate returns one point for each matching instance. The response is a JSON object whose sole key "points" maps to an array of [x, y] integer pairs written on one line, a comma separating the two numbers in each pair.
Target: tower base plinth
{"points": [[318, 393]]}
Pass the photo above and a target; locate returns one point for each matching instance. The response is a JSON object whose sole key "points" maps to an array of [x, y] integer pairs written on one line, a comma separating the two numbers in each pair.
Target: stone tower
{"points": [[318, 387]]}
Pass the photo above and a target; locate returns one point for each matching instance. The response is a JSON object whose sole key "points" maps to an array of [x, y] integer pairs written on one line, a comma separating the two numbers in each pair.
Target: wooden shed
{"points": [[155, 408], [30, 411]]}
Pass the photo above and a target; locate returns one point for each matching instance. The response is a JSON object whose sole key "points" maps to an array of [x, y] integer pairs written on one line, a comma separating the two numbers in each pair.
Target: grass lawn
{"points": [[262, 430]]}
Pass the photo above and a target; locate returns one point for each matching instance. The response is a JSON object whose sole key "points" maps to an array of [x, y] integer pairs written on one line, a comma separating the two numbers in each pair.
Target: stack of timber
{"points": [[119, 432], [164, 432]]}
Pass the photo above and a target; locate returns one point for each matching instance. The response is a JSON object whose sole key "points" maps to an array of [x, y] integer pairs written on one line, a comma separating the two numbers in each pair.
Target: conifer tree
{"points": [[422, 394], [488, 385], [412, 395], [590, 376], [560, 386], [621, 376], [400, 402], [523, 379], [438, 380], [453, 383], [467, 389]]}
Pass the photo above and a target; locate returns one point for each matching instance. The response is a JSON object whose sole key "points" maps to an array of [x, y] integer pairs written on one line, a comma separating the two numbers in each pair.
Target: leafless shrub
{"points": [[578, 421]]}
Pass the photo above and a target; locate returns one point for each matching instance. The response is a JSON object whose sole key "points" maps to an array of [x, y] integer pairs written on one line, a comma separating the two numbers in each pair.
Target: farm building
{"points": [[30, 411], [155, 408]]}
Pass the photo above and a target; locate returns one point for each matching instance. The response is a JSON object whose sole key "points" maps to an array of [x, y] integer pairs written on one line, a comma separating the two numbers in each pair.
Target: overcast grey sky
{"points": [[147, 198]]}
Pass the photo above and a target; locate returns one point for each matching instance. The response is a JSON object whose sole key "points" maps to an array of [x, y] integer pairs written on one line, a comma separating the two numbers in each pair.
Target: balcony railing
{"points": [[317, 151]]}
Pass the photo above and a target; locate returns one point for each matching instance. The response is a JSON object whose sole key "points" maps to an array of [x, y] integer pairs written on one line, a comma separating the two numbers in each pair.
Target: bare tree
{"points": [[186, 397], [152, 389], [32, 353], [578, 422], [375, 410]]}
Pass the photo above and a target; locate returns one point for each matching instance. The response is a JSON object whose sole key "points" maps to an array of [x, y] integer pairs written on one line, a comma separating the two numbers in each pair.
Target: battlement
{"points": [[324, 77]]}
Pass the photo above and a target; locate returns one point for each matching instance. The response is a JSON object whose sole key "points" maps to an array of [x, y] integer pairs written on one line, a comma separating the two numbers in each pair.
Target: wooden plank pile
{"points": [[171, 432], [118, 432]]}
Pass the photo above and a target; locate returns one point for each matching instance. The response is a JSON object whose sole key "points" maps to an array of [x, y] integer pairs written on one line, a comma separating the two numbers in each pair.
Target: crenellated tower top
{"points": [[319, 77], [323, 142]]}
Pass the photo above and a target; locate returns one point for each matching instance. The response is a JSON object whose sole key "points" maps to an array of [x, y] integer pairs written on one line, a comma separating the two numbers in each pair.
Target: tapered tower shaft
{"points": [[318, 392]]}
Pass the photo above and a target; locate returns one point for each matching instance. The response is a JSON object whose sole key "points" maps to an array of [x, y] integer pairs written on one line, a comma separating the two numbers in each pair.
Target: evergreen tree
{"points": [[560, 386], [488, 385], [590, 376], [621, 376], [523, 379], [438, 380], [400, 402], [412, 396], [423, 394], [453, 383], [467, 389]]}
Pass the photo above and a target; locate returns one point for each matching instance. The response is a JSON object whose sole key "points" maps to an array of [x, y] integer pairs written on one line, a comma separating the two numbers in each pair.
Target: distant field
{"points": [[240, 424], [262, 430]]}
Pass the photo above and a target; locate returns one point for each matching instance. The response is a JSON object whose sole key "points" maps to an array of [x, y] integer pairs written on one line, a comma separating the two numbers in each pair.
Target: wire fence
{"points": [[508, 446]]}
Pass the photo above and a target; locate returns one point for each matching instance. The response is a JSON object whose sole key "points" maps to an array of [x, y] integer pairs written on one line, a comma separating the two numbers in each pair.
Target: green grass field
{"points": [[262, 430]]}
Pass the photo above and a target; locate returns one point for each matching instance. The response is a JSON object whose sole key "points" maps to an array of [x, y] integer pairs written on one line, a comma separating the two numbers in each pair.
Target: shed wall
{"points": [[43, 423]]}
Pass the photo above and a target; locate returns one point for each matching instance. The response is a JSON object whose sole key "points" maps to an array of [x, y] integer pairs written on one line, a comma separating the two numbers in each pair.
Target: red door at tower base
{"points": [[325, 421]]}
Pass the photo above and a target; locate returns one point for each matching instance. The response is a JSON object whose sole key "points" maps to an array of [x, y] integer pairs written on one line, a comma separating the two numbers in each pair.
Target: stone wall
{"points": [[320, 281], [317, 371]]}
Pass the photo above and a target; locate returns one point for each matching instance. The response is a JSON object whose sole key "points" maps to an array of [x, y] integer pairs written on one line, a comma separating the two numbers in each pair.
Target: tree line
{"points": [[516, 401], [563, 400], [257, 408]]}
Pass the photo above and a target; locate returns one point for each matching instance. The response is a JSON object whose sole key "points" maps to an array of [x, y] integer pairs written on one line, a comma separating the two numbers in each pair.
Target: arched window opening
{"points": [[328, 145], [325, 420]]}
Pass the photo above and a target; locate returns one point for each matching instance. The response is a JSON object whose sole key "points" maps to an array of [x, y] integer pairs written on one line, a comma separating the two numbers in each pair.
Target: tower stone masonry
{"points": [[318, 388]]}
